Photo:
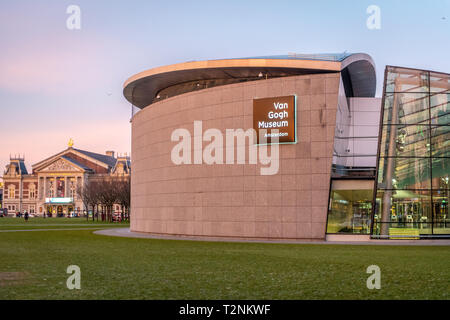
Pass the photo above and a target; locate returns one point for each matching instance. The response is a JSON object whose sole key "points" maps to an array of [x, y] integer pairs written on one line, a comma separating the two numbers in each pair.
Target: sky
{"points": [[57, 83]]}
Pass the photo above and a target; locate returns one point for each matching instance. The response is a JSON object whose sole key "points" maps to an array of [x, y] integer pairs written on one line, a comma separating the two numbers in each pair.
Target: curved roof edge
{"points": [[359, 75], [142, 89]]}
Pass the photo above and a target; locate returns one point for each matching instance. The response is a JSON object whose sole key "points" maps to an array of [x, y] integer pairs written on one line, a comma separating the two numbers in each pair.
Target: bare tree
{"points": [[83, 195], [94, 197], [123, 196], [105, 193], [108, 196], [87, 193]]}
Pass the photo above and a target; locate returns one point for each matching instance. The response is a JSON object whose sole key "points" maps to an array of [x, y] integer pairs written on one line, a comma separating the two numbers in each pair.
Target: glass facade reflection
{"points": [[412, 185], [350, 207]]}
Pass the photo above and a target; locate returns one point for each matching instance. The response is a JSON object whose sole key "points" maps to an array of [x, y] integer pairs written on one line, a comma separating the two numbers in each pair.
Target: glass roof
{"points": [[307, 56]]}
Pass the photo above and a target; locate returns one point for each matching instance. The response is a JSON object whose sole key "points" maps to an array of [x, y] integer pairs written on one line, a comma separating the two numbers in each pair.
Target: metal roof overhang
{"points": [[141, 89]]}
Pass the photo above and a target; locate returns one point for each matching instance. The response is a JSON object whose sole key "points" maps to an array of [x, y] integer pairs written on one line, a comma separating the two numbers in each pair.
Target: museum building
{"points": [[350, 164], [51, 188]]}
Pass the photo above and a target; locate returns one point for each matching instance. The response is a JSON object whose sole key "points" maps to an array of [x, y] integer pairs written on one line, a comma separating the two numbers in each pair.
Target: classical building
{"points": [[51, 187]]}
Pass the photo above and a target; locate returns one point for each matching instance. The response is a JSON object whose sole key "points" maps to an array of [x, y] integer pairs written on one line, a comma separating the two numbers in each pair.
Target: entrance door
{"points": [[350, 207], [59, 211], [49, 210]]}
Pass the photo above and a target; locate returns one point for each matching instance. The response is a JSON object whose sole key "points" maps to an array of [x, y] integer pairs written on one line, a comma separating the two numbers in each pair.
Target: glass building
{"points": [[412, 185], [360, 166], [402, 190]]}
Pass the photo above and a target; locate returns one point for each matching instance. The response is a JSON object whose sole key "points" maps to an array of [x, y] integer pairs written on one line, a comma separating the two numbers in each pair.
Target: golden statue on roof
{"points": [[70, 144]]}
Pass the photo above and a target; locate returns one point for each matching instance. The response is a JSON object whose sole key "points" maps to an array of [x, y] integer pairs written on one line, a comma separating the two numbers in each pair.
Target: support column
{"points": [[55, 188], [45, 188], [44, 195], [390, 167], [66, 194], [20, 193]]}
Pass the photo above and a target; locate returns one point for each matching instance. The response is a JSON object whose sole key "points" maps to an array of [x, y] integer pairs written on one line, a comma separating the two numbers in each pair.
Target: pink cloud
{"points": [[71, 65]]}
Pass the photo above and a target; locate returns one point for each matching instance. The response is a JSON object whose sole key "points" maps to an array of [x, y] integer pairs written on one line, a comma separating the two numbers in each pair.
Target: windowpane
{"points": [[407, 141], [350, 211], [441, 171], [440, 141], [11, 192], [404, 173], [403, 209], [406, 80], [441, 212], [440, 109], [406, 108], [439, 82]]}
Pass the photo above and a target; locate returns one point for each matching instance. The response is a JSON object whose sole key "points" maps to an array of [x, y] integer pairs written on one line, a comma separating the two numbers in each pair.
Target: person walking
{"points": [[26, 216]]}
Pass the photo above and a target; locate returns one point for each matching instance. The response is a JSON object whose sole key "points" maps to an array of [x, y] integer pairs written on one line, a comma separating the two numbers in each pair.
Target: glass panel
{"points": [[408, 141], [408, 210], [414, 165], [440, 141], [440, 171], [404, 173], [406, 108], [440, 109], [350, 211], [441, 212], [406, 80], [60, 188], [439, 82]]}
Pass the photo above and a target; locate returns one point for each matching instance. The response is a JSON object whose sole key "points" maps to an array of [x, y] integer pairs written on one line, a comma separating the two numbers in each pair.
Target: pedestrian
{"points": [[26, 216]]}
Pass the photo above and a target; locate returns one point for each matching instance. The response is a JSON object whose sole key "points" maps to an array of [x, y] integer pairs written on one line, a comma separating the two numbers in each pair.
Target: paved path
{"points": [[49, 224], [125, 232], [54, 229]]}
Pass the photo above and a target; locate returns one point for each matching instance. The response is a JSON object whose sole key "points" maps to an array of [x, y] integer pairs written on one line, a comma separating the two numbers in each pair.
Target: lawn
{"points": [[33, 266], [55, 223]]}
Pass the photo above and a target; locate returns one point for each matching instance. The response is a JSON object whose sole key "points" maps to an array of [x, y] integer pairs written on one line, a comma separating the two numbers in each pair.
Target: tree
{"points": [[105, 193], [83, 195], [89, 194], [123, 195], [94, 197], [108, 196]]}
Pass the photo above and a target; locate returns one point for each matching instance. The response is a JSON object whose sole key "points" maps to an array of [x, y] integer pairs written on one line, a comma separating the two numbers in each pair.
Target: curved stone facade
{"points": [[235, 200]]}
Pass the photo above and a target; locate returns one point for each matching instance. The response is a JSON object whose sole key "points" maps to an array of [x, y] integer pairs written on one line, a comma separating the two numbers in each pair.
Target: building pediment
{"points": [[83, 160], [61, 165]]}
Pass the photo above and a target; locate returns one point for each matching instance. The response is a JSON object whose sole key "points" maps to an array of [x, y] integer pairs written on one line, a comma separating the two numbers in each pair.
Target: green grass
{"points": [[55, 223], [126, 268]]}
